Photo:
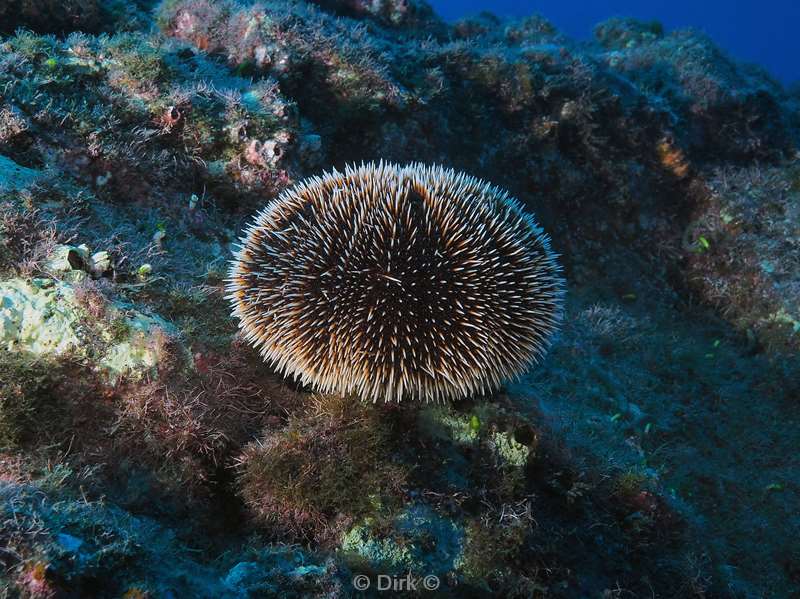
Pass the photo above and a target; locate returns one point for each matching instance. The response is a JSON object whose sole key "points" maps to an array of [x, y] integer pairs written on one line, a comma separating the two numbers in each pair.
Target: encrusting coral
{"points": [[397, 281]]}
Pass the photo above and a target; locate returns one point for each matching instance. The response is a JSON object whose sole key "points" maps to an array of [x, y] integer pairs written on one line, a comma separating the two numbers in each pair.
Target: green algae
{"points": [[511, 452]]}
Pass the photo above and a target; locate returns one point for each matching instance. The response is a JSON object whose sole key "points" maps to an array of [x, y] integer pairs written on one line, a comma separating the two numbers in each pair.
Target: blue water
{"points": [[765, 32]]}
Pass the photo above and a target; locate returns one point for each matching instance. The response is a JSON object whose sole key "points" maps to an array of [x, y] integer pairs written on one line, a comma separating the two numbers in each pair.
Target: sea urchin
{"points": [[395, 282]]}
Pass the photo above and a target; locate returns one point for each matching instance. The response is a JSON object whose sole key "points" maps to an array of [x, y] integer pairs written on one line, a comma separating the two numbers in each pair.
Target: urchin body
{"points": [[394, 282]]}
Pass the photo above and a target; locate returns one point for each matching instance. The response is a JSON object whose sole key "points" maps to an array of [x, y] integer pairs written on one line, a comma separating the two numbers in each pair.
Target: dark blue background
{"points": [[766, 32]]}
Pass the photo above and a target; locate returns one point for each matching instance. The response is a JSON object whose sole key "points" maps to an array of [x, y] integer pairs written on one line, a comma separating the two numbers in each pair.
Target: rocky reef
{"points": [[147, 451]]}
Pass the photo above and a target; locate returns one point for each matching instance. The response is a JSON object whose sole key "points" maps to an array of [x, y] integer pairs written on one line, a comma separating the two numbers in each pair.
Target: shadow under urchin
{"points": [[397, 282]]}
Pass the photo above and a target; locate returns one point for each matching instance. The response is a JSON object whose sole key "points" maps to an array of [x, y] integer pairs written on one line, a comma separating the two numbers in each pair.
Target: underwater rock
{"points": [[248, 577], [13, 176], [104, 553], [69, 543], [618, 33], [147, 451], [49, 16], [421, 542], [743, 248], [415, 16], [179, 125], [136, 351], [63, 16], [69, 260], [510, 451], [99, 264], [440, 422], [339, 445], [719, 109], [37, 318], [45, 318], [281, 572]]}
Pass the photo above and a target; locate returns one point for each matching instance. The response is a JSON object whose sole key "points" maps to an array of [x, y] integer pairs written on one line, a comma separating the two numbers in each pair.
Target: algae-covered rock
{"points": [[60, 16], [485, 445], [338, 446], [14, 176], [68, 261], [41, 319], [61, 543], [626, 462], [135, 351], [44, 317], [743, 251], [484, 424], [421, 541], [442, 423], [510, 451], [280, 572]]}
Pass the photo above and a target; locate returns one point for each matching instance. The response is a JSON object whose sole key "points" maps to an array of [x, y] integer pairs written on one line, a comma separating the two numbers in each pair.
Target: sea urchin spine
{"points": [[394, 282]]}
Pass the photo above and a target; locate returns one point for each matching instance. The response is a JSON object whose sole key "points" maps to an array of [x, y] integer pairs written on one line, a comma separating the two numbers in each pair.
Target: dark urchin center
{"points": [[407, 293], [385, 292]]}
